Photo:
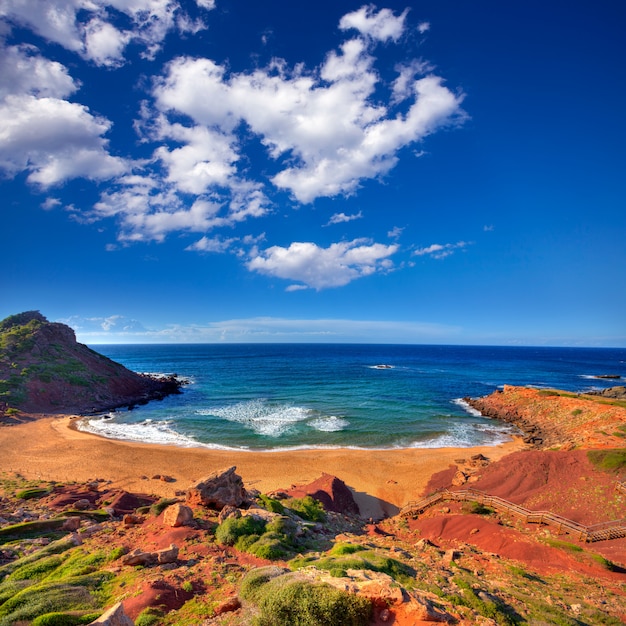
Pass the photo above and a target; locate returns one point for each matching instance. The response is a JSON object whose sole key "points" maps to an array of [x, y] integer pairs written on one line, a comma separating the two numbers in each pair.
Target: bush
{"points": [[232, 528], [255, 579], [149, 616], [29, 494], [299, 603], [340, 549], [274, 506], [307, 508]]}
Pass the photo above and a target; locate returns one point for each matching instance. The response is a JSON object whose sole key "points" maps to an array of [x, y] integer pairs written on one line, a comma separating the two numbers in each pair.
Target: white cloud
{"points": [[50, 203], [104, 44], [205, 159], [441, 251], [395, 232], [212, 244], [24, 71], [340, 218], [381, 26], [54, 140], [321, 268], [423, 27], [325, 121], [148, 209], [85, 26]]}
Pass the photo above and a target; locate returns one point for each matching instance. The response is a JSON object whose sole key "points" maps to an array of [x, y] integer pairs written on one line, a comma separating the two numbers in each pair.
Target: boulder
{"points": [[177, 515], [331, 492], [220, 489], [115, 616]]}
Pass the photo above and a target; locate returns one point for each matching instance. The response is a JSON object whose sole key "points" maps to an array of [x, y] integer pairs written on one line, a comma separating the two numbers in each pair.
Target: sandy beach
{"points": [[50, 448]]}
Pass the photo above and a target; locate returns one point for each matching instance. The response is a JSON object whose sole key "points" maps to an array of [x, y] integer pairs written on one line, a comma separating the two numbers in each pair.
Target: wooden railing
{"points": [[598, 532]]}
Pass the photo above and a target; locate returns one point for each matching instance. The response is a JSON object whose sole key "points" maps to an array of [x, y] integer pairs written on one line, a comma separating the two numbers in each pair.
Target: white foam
{"points": [[466, 407], [329, 424], [261, 416], [148, 431]]}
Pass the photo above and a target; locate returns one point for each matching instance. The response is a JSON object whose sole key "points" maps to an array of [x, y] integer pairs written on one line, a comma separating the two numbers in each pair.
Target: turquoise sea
{"points": [[277, 396]]}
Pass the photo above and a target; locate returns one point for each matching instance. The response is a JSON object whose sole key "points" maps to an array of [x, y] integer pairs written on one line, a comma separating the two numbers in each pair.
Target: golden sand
{"points": [[381, 480]]}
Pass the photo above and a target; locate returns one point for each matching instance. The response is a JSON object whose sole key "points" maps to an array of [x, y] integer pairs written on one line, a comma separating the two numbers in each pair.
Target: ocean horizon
{"points": [[365, 396]]}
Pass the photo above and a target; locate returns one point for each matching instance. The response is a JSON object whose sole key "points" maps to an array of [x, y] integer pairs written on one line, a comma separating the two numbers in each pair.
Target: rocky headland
{"points": [[550, 418], [43, 369]]}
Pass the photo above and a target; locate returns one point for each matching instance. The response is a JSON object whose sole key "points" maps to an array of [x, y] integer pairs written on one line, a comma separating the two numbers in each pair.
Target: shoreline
{"points": [[53, 449]]}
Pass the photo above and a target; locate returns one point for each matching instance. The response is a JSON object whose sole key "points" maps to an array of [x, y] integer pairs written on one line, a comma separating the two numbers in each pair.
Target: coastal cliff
{"points": [[550, 418], [43, 369]]}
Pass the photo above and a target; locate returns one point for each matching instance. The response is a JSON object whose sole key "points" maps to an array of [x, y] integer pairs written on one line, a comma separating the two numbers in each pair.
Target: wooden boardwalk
{"points": [[598, 532]]}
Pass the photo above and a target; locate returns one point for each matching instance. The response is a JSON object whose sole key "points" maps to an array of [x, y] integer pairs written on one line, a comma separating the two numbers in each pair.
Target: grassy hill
{"points": [[43, 369]]}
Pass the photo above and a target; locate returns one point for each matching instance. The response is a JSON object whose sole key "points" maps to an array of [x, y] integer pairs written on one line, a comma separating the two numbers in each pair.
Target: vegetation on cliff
{"points": [[43, 369]]}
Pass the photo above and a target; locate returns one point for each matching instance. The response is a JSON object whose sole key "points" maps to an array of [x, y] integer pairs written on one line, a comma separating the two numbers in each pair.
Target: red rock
{"points": [[331, 492], [228, 605]]}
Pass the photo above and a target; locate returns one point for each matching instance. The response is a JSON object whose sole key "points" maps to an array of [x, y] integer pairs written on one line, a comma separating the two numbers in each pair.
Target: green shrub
{"points": [[232, 528], [307, 508], [255, 579], [149, 616], [299, 603], [270, 546], [271, 505], [339, 549], [158, 507], [117, 553], [34, 492]]}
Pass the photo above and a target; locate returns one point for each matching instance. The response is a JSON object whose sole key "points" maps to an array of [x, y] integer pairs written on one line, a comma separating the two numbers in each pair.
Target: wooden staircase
{"points": [[598, 532]]}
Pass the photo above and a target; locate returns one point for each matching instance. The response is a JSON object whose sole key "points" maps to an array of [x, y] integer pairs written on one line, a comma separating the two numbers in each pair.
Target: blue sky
{"points": [[447, 171]]}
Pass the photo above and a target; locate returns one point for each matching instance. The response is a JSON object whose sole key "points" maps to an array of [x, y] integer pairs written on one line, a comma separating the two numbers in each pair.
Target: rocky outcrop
{"points": [[549, 418], [619, 392], [59, 375], [331, 492], [221, 488]]}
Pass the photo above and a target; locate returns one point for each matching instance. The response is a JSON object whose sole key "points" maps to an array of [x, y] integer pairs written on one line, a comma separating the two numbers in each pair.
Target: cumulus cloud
{"points": [[340, 218], [41, 132], [86, 26], [321, 268], [54, 140], [381, 25], [441, 251], [326, 121], [323, 130]]}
